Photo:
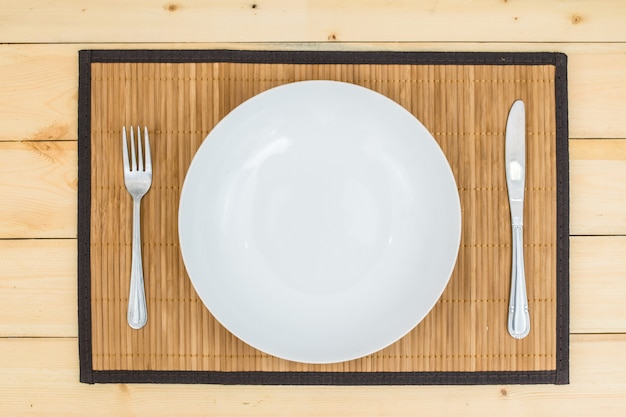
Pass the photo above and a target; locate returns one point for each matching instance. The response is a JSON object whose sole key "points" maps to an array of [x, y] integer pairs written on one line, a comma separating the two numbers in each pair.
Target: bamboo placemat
{"points": [[463, 99]]}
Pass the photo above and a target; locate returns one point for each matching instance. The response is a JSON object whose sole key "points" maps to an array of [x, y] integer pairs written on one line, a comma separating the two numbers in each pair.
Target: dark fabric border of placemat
{"points": [[88, 375]]}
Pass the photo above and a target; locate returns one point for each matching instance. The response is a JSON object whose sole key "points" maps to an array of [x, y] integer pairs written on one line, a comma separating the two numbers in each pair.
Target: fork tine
{"points": [[125, 149], [133, 157], [139, 149], [147, 149]]}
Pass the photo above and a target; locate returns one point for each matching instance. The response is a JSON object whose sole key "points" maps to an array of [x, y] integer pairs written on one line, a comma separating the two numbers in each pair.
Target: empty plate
{"points": [[319, 221]]}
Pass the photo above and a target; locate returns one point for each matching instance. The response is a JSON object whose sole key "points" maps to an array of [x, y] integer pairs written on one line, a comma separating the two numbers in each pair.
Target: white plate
{"points": [[319, 221]]}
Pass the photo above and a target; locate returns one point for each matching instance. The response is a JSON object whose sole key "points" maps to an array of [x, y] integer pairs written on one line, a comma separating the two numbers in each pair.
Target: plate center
{"points": [[319, 232]]}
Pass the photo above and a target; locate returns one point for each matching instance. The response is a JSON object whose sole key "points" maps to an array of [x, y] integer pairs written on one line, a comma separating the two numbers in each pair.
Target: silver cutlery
{"points": [[138, 178], [515, 157]]}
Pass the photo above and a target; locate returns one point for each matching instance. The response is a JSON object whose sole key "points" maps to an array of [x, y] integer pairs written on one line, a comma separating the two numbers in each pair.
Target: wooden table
{"points": [[38, 191]]}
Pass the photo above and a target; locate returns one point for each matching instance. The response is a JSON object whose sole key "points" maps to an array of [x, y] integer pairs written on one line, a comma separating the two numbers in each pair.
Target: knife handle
{"points": [[519, 317]]}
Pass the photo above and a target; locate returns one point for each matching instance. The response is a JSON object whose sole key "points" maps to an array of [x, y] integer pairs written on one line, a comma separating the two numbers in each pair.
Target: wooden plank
{"points": [[38, 288], [38, 189], [312, 21], [598, 187], [597, 92], [598, 288], [38, 92], [40, 378], [38, 98]]}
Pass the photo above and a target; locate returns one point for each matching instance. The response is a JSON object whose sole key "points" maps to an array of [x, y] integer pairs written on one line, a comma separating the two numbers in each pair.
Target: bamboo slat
{"points": [[180, 103]]}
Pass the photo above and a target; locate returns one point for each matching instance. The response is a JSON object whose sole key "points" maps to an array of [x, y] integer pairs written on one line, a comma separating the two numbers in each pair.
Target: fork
{"points": [[138, 178]]}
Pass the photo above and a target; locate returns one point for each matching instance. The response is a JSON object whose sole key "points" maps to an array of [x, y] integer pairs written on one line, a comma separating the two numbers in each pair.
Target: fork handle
{"points": [[137, 310]]}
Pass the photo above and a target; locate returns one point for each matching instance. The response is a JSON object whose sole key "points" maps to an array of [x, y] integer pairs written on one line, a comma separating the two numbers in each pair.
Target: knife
{"points": [[515, 157]]}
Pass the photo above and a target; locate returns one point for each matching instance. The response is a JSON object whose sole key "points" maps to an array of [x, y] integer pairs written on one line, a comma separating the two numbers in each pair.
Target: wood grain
{"points": [[38, 189], [596, 176], [33, 21], [598, 187], [598, 291], [595, 75], [39, 376], [40, 102], [40, 379], [33, 108], [38, 288], [595, 308]]}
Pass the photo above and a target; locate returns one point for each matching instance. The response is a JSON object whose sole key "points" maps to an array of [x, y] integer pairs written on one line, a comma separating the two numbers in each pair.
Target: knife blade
{"points": [[515, 159]]}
